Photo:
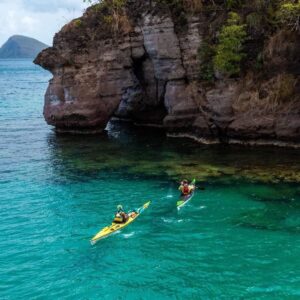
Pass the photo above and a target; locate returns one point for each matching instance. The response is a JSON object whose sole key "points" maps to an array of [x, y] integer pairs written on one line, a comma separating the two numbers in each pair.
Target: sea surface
{"points": [[238, 238]]}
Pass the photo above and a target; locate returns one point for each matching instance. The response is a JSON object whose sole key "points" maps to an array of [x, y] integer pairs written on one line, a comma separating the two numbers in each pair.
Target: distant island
{"points": [[18, 46]]}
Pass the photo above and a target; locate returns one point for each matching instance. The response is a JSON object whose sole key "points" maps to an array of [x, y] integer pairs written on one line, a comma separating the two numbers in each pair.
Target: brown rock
{"points": [[148, 72]]}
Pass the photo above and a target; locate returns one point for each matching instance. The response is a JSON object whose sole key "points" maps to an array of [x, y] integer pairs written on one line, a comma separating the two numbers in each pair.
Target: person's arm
{"points": [[191, 188]]}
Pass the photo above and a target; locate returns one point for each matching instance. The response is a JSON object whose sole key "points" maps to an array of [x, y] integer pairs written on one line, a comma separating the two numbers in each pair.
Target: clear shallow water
{"points": [[238, 239]]}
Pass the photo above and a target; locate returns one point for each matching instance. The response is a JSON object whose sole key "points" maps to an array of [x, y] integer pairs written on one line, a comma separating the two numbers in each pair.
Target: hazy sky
{"points": [[39, 19]]}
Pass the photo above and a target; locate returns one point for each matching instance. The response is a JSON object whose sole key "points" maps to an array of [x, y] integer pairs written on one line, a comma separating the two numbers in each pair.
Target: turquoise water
{"points": [[237, 239]]}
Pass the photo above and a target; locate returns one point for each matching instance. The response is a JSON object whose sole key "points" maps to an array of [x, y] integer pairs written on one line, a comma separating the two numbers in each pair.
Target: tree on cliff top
{"points": [[229, 50]]}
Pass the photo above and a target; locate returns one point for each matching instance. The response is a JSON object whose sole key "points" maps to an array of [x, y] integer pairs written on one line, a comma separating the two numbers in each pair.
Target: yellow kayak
{"points": [[114, 227]]}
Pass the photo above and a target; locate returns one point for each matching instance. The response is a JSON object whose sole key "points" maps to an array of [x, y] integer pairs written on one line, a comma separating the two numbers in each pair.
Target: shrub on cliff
{"points": [[286, 87], [229, 50], [113, 13], [289, 15], [230, 4], [78, 22]]}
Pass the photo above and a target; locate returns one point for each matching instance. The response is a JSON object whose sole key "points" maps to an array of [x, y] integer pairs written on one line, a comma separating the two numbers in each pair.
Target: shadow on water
{"points": [[144, 152], [95, 156]]}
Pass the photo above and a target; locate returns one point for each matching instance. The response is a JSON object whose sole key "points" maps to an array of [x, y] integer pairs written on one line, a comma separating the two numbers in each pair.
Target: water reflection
{"points": [[147, 152]]}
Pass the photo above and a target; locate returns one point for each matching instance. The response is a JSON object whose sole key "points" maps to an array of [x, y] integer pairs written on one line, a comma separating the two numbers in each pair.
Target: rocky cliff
{"points": [[144, 66]]}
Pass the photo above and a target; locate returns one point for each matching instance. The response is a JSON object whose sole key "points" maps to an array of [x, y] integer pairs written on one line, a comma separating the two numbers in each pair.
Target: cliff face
{"points": [[148, 71]]}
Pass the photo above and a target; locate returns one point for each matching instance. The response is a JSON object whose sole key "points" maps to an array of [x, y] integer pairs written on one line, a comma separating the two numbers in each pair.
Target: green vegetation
{"points": [[286, 88], [229, 50], [231, 4], [113, 13], [289, 15], [259, 62], [78, 22], [205, 54], [224, 50], [111, 4], [254, 21]]}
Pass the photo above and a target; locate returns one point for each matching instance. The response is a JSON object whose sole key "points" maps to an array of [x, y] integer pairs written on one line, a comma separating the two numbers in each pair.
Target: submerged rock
{"points": [[146, 153], [270, 219]]}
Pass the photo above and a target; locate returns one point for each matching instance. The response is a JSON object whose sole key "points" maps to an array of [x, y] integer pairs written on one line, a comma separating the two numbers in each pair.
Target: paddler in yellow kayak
{"points": [[121, 216], [185, 188]]}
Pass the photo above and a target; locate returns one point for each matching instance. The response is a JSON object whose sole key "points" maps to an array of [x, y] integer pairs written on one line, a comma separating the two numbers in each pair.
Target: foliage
{"points": [[108, 19], [286, 88], [259, 62], [231, 4], [229, 50], [78, 22], [112, 5], [113, 13], [289, 15], [206, 53], [254, 21]]}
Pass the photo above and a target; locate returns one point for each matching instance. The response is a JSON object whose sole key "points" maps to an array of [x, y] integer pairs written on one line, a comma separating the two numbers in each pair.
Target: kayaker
{"points": [[185, 188], [121, 216]]}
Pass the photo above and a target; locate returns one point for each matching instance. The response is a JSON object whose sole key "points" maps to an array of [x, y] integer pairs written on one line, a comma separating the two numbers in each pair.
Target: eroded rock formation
{"points": [[148, 72]]}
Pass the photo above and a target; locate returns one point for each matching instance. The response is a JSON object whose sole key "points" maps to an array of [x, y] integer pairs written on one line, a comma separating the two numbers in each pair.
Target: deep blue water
{"points": [[237, 239]]}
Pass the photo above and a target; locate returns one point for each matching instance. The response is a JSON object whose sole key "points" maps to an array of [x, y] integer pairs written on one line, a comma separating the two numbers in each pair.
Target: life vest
{"points": [[185, 190], [118, 220], [120, 217]]}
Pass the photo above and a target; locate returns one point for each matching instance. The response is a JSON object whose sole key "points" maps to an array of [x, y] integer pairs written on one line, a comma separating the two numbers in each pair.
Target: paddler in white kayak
{"points": [[185, 188]]}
